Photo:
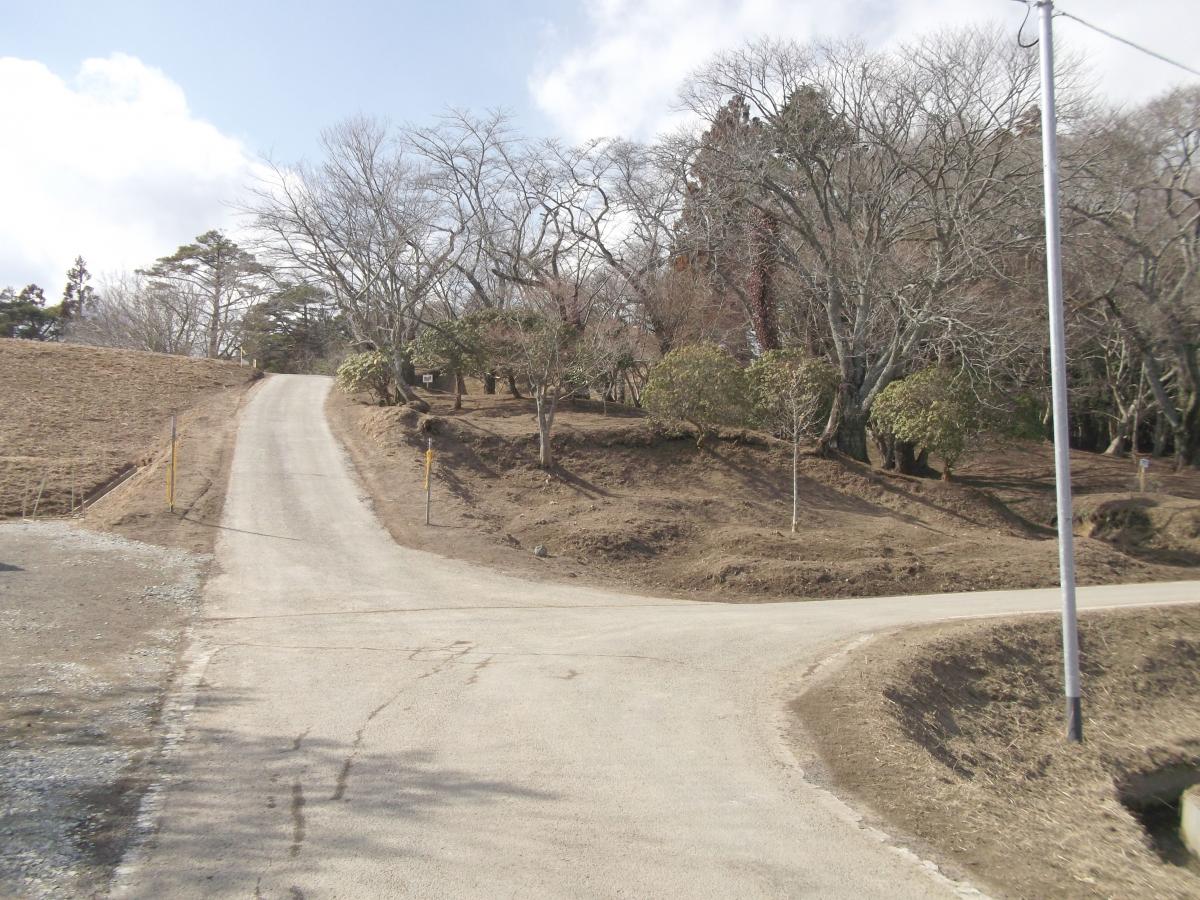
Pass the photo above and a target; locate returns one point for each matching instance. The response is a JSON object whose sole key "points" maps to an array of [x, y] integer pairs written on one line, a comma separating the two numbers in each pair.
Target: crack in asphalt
{"points": [[297, 818], [479, 667], [388, 611], [456, 656], [300, 738], [343, 777]]}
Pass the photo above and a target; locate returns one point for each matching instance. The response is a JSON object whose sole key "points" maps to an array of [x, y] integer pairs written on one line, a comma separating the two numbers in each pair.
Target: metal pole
{"points": [[1058, 378]]}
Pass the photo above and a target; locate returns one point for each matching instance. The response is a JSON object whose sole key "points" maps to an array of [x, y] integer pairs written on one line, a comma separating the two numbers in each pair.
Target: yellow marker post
{"points": [[171, 468], [428, 478]]}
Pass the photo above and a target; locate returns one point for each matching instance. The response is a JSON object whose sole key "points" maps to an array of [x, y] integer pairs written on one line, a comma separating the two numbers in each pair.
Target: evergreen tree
{"points": [[78, 295], [25, 315], [221, 278]]}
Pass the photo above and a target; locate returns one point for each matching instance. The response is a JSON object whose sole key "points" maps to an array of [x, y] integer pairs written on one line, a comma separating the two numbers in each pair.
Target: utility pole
{"points": [[1058, 377]]}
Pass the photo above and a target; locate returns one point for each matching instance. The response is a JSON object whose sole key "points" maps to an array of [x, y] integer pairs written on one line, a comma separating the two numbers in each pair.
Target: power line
{"points": [[1117, 37]]}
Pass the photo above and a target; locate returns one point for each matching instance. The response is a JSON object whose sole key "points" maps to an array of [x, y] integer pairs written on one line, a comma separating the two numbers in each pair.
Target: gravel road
{"points": [[375, 721]]}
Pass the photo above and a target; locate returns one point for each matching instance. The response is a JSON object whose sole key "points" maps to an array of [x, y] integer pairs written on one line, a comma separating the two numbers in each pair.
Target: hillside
{"points": [[649, 508], [74, 418]]}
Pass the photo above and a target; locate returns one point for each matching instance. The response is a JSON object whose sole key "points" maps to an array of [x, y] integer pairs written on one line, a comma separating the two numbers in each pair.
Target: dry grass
{"points": [[73, 417], [954, 735], [647, 507]]}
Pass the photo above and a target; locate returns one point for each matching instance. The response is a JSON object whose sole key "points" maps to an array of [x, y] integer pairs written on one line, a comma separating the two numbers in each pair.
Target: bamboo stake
{"points": [[37, 501]]}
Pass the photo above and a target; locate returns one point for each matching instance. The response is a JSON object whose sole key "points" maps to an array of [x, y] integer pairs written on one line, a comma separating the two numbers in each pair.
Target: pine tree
{"points": [[222, 279], [78, 295]]}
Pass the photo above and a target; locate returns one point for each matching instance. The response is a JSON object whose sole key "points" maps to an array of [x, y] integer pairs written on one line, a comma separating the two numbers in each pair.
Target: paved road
{"points": [[374, 721]]}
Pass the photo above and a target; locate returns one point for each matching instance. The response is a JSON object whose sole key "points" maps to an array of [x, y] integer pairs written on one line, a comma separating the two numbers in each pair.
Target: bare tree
{"points": [[1139, 197], [130, 312], [364, 225], [897, 184]]}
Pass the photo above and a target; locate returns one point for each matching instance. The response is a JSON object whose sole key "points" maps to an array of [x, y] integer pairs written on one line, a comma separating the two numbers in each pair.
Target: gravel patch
{"points": [[91, 626]]}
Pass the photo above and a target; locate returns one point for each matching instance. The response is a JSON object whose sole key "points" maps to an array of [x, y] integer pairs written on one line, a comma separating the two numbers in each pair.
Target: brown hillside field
{"points": [[634, 503], [953, 734], [74, 418]]}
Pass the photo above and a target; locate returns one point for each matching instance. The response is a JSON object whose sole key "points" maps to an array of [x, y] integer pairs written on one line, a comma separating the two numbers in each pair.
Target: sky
{"points": [[130, 126]]}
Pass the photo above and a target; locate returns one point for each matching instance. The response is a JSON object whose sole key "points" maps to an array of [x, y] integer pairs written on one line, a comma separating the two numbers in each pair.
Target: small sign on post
{"points": [[427, 378], [1143, 467]]}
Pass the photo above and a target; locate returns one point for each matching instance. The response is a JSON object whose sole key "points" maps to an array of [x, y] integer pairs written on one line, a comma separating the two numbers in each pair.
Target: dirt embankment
{"points": [[75, 419], [954, 735], [649, 508]]}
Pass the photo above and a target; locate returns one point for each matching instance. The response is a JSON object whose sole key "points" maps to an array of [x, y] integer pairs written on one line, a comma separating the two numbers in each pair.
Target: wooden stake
{"points": [[37, 501], [171, 468], [428, 478]]}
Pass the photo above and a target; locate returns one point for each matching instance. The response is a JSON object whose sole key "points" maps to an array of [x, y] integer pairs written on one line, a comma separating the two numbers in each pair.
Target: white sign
{"points": [[1144, 463], [428, 379]]}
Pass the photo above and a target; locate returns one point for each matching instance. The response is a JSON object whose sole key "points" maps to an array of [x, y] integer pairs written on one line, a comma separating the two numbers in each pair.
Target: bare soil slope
{"points": [[640, 505], [954, 733], [73, 419]]}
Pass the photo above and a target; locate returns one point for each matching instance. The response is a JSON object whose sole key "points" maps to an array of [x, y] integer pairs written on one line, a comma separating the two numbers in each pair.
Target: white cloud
{"points": [[621, 77], [111, 165]]}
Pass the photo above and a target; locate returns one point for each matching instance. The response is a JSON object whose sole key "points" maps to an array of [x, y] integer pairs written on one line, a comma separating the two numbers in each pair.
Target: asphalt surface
{"points": [[373, 721]]}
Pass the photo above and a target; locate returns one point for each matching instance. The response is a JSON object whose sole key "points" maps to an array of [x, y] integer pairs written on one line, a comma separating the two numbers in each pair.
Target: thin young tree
{"points": [[792, 393]]}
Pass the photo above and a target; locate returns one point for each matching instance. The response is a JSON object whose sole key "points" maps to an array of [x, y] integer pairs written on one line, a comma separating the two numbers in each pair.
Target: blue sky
{"points": [[131, 125], [274, 73]]}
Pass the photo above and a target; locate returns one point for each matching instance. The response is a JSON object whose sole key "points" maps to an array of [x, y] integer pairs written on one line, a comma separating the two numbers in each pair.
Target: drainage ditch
{"points": [[1154, 797]]}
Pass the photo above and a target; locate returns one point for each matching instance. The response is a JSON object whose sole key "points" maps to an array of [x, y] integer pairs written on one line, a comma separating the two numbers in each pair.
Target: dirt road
{"points": [[374, 721]]}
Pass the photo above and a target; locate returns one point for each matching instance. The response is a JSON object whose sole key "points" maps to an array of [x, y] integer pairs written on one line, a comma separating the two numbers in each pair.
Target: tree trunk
{"points": [[760, 281], [408, 372], [910, 462], [887, 449], [214, 326], [545, 420], [460, 388], [1116, 447], [846, 429], [1187, 436], [852, 435], [512, 387], [404, 374]]}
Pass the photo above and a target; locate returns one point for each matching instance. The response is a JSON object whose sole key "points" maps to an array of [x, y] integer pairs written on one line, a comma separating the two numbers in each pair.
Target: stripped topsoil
{"points": [[953, 736], [634, 504]]}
